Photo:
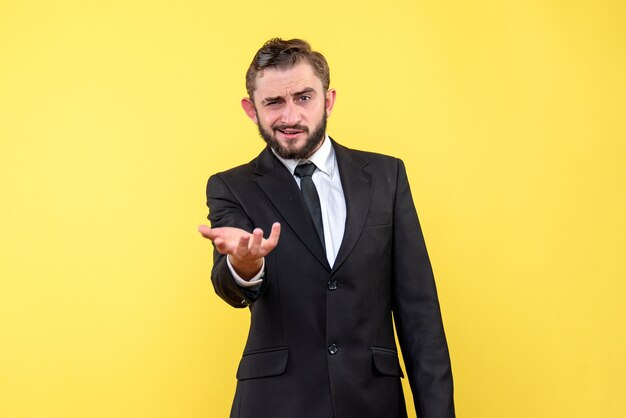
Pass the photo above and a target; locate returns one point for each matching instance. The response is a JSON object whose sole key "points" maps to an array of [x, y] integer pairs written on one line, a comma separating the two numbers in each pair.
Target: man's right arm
{"points": [[238, 249]]}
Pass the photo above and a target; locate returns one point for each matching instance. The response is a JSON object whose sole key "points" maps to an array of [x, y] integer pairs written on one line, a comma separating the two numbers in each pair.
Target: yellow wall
{"points": [[511, 117]]}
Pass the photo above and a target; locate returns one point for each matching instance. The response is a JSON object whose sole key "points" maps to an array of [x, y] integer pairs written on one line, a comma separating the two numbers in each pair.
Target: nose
{"points": [[291, 114]]}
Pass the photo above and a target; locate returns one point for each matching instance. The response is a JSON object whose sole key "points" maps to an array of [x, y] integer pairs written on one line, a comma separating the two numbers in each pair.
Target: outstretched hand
{"points": [[244, 249]]}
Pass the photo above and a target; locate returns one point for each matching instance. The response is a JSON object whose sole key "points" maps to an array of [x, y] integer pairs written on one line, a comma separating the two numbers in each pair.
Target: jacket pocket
{"points": [[386, 362], [263, 363]]}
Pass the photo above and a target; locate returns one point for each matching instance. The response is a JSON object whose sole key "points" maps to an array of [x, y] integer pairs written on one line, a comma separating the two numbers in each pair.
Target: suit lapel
{"points": [[281, 189], [357, 189]]}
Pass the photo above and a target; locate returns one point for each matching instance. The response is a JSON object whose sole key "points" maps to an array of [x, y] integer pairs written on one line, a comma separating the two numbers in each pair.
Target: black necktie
{"points": [[311, 198]]}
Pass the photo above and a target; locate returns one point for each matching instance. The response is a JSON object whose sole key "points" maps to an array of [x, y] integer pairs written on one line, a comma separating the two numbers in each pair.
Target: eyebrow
{"points": [[298, 93], [305, 91]]}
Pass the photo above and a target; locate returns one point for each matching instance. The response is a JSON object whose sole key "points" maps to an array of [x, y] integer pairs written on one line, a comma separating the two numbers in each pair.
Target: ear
{"points": [[248, 107], [330, 101]]}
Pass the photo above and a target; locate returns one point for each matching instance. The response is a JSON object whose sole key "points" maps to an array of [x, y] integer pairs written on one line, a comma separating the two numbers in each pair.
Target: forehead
{"points": [[279, 82]]}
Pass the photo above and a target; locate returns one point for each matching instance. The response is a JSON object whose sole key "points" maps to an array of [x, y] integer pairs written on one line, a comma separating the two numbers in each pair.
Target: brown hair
{"points": [[277, 53]]}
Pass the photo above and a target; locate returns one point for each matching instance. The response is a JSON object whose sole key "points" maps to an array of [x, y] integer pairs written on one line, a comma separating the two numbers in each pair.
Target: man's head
{"points": [[279, 54], [289, 98]]}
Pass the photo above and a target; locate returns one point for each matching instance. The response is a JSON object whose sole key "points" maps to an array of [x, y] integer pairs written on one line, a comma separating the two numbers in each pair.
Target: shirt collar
{"points": [[323, 158]]}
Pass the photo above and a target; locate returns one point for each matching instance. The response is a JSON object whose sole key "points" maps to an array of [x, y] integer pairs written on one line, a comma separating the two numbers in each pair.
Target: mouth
{"points": [[290, 133]]}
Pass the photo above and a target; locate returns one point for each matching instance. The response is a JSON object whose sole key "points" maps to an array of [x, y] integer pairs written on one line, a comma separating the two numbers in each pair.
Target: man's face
{"points": [[290, 108]]}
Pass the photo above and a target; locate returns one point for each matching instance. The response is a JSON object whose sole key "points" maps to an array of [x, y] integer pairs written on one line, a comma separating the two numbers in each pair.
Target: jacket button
{"points": [[332, 285], [332, 349]]}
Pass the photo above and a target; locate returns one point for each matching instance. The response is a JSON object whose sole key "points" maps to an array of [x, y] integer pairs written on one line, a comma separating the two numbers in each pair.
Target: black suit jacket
{"points": [[321, 341]]}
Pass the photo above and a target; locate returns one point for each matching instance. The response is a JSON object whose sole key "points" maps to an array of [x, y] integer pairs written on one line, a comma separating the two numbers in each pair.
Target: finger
{"points": [[255, 244], [242, 247], [220, 245], [206, 232], [272, 240]]}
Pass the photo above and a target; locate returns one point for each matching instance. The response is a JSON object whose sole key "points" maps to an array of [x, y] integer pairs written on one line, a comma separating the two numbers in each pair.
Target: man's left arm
{"points": [[416, 311]]}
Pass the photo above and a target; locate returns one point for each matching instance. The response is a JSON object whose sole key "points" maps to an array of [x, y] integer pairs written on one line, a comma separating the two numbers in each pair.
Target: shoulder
{"points": [[244, 172], [232, 182], [239, 172], [372, 160]]}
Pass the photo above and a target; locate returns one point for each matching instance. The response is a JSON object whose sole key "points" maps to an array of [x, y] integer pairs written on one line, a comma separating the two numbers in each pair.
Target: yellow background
{"points": [[511, 117]]}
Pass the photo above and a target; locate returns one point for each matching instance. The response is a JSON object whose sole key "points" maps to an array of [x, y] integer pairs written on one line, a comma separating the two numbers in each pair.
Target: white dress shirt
{"points": [[332, 202]]}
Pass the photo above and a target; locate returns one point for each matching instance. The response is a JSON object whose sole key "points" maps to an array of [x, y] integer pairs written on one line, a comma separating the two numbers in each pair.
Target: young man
{"points": [[344, 251]]}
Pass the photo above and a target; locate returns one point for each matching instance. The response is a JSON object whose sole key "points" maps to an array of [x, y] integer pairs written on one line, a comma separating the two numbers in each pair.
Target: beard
{"points": [[305, 151]]}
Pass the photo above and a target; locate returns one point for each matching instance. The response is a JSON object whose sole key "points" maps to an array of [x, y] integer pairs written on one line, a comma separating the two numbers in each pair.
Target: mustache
{"points": [[282, 127]]}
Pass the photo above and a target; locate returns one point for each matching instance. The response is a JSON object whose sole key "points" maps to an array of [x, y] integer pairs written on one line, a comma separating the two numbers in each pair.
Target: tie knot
{"points": [[305, 170]]}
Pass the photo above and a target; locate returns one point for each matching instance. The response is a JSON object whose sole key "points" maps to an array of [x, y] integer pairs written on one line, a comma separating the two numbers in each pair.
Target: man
{"points": [[344, 252]]}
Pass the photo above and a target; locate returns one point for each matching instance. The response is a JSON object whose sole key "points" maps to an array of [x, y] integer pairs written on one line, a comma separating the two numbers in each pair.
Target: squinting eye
{"points": [[305, 98]]}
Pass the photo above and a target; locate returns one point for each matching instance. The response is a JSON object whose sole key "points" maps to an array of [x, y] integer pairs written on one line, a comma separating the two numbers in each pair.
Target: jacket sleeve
{"points": [[417, 313], [224, 210]]}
